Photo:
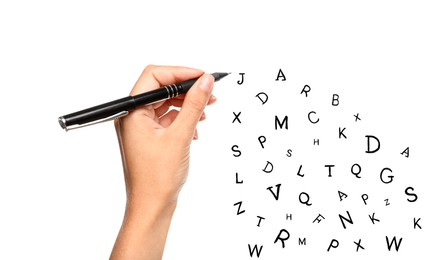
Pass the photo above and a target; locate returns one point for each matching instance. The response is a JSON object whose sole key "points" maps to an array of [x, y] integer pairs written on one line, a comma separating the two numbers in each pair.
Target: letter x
{"points": [[359, 245], [357, 117], [237, 117]]}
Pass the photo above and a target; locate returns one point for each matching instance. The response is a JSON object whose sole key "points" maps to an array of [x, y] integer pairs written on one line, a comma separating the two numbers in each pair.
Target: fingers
{"points": [[193, 106], [153, 77], [195, 135], [167, 119], [177, 102], [166, 106], [212, 100]]}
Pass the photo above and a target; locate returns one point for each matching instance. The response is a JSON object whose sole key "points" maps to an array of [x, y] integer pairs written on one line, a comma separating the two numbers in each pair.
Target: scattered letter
{"points": [[280, 75]]}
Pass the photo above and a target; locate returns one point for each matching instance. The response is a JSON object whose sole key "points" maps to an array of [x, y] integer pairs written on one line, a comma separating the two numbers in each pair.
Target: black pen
{"points": [[121, 107]]}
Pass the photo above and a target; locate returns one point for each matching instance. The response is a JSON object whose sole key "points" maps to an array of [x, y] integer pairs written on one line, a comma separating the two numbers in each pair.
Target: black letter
{"points": [[237, 152], [237, 179], [368, 144], [411, 194], [386, 202], [391, 177], [306, 202], [305, 90], [275, 195], [280, 75], [341, 133], [342, 195], [373, 219], [282, 239], [263, 101], [359, 245], [299, 170], [335, 100], [239, 208], [332, 244], [319, 218], [265, 168], [330, 167], [358, 168], [241, 81], [259, 221], [251, 251], [365, 197], [277, 122], [357, 117], [395, 242], [406, 152], [309, 118], [289, 153], [262, 140], [415, 223], [348, 220], [237, 117]]}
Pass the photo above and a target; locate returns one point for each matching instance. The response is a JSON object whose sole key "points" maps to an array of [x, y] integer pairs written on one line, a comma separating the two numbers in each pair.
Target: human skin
{"points": [[155, 150]]}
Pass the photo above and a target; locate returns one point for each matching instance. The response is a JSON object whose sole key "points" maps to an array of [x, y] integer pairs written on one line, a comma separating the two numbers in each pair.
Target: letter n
{"points": [[349, 220]]}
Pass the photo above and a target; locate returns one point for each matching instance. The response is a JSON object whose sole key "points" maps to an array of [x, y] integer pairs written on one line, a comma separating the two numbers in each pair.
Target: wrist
{"points": [[150, 210], [145, 226]]}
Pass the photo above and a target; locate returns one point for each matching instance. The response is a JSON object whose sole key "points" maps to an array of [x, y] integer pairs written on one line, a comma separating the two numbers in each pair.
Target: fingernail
{"points": [[206, 83], [212, 100]]}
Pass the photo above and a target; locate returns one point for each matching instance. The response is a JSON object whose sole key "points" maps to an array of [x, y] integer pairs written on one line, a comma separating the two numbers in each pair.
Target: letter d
{"points": [[368, 144]]}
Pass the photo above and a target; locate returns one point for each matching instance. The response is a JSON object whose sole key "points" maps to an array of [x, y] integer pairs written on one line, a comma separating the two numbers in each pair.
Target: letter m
{"points": [[254, 249], [280, 124]]}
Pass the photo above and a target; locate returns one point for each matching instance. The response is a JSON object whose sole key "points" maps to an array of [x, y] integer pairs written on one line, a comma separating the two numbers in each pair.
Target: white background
{"points": [[62, 193]]}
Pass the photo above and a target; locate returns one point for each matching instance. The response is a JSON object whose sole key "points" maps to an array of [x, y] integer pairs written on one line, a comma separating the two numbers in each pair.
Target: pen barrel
{"points": [[186, 85], [100, 111], [151, 96], [163, 93], [121, 107]]}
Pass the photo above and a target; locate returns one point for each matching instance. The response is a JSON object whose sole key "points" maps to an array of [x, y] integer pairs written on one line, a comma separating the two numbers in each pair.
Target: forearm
{"points": [[143, 232]]}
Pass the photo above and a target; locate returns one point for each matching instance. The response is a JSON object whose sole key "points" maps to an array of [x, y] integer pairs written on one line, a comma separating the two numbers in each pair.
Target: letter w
{"points": [[257, 252], [393, 241]]}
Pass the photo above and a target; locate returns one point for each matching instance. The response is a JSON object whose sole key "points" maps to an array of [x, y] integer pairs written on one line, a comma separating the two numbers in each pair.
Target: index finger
{"points": [[154, 77]]}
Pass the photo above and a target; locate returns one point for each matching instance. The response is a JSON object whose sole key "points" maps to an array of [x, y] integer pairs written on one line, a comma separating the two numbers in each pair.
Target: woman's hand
{"points": [[155, 146]]}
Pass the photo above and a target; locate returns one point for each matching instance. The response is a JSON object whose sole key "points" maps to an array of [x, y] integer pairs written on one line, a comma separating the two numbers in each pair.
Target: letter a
{"points": [[280, 75], [406, 152]]}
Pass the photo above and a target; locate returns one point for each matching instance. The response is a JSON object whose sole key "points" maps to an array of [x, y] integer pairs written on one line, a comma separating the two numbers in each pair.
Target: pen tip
{"points": [[219, 75]]}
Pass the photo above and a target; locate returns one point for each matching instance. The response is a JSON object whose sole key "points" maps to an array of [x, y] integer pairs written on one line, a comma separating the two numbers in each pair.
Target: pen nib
{"points": [[219, 75]]}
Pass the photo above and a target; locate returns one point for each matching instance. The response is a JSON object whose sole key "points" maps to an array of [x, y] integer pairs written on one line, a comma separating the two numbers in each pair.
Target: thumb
{"points": [[193, 105]]}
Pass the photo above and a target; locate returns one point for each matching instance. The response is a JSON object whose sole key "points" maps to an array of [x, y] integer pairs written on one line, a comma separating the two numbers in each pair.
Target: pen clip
{"points": [[112, 117]]}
